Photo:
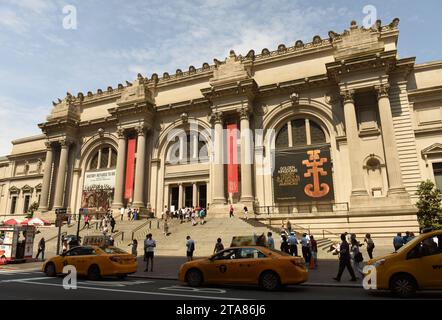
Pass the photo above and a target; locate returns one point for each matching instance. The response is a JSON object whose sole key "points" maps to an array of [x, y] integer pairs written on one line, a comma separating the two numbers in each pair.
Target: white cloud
{"points": [[10, 20]]}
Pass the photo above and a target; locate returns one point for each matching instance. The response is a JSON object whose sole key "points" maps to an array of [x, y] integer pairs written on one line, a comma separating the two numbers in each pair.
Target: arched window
{"points": [[300, 132], [104, 158], [191, 147]]}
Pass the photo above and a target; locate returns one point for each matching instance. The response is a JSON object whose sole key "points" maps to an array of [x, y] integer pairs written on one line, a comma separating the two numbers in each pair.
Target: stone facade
{"points": [[379, 115]]}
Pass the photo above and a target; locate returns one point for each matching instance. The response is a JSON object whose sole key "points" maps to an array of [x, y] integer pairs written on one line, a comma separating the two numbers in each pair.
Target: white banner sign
{"points": [[100, 178]]}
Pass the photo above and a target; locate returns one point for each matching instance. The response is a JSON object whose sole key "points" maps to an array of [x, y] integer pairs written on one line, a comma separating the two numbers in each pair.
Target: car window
{"points": [[250, 253], [428, 247], [81, 251], [113, 250], [226, 255], [73, 252]]}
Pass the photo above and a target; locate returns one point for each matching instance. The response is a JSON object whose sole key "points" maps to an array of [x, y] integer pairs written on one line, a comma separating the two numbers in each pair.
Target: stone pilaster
{"points": [[44, 200], [218, 167], [140, 168], [61, 175], [246, 159], [119, 178]]}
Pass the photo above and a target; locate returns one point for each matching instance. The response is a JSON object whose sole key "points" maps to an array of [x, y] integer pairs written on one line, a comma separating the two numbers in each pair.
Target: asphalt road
{"points": [[34, 285]]}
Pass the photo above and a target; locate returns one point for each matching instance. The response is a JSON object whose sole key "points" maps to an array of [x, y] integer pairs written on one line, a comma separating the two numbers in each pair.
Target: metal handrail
{"points": [[148, 222], [328, 232], [119, 234], [301, 208]]}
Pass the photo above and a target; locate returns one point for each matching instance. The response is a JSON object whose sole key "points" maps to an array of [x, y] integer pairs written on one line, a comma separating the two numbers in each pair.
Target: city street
{"points": [[33, 285]]}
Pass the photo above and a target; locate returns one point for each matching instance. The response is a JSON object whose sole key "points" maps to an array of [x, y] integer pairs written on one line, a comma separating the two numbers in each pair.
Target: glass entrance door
{"points": [[203, 196], [174, 197]]}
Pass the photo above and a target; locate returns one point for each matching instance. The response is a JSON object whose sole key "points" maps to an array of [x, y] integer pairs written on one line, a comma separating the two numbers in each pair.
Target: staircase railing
{"points": [[134, 231]]}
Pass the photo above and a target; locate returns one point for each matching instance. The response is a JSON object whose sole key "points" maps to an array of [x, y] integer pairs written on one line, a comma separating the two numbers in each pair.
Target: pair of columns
{"points": [[140, 171], [61, 176], [246, 158], [390, 147]]}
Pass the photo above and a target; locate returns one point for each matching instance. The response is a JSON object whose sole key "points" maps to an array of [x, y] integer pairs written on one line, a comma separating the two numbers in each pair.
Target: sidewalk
{"points": [[167, 268]]}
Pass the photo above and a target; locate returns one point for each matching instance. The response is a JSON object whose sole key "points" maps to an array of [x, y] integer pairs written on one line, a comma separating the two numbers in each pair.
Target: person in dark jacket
{"points": [[345, 260], [284, 244]]}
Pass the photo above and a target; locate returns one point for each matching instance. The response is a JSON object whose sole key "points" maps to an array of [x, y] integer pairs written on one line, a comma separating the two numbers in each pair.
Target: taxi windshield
{"points": [[113, 250]]}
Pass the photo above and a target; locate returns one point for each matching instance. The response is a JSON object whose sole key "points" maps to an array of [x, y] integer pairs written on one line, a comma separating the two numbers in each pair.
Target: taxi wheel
{"points": [[50, 270], [270, 281], [404, 286], [94, 273], [194, 278]]}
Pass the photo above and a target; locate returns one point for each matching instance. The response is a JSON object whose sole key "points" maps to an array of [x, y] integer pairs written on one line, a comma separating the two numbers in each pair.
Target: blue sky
{"points": [[40, 60]]}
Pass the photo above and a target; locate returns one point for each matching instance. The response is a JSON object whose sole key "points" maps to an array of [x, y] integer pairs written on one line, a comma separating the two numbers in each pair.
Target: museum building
{"points": [[347, 127]]}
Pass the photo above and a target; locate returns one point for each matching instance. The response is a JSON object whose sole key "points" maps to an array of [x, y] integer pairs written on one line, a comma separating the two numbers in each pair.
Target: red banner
{"points": [[232, 156], [130, 168]]}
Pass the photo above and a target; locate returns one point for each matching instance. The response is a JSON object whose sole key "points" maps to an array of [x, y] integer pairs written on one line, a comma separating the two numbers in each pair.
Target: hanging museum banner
{"points": [[130, 168], [98, 190], [303, 175], [232, 156]]}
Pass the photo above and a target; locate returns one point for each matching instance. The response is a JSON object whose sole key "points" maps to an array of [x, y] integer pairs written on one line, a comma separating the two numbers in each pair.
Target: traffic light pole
{"points": [[78, 223]]}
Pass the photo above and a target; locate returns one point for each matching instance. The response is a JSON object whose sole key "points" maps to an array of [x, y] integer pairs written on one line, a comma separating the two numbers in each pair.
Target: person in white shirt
{"points": [[149, 249], [121, 213]]}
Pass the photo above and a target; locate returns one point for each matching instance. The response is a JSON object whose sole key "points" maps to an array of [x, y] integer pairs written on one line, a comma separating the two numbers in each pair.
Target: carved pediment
{"points": [[27, 189], [357, 41], [14, 190], [232, 70], [38, 187], [433, 149]]}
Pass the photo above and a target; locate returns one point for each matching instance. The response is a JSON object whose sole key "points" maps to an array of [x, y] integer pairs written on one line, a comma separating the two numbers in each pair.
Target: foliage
{"points": [[429, 205]]}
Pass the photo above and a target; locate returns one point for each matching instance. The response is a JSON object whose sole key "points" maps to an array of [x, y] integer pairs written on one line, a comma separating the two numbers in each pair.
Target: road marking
{"points": [[114, 284], [24, 279], [132, 291], [190, 289]]}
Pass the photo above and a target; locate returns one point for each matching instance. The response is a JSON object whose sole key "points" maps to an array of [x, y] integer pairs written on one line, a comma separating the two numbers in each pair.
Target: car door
{"points": [[251, 262], [221, 268], [80, 258], [73, 258], [425, 259]]}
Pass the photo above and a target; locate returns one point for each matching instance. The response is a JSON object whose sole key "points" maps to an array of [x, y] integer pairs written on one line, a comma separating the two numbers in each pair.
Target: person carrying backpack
{"points": [[370, 245]]}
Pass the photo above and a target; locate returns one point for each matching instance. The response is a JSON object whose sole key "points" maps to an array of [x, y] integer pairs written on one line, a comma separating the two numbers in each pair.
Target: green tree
{"points": [[32, 209], [429, 205]]}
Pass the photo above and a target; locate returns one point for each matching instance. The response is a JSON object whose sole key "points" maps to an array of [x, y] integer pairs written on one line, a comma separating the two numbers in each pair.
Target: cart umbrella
{"points": [[12, 222], [36, 222]]}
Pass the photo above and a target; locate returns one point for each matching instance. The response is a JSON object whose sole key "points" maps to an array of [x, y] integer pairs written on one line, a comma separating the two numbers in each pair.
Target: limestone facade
{"points": [[380, 116]]}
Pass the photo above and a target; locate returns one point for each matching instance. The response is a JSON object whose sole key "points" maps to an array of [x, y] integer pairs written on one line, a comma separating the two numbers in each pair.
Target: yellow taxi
{"points": [[246, 265], [415, 266], [93, 262]]}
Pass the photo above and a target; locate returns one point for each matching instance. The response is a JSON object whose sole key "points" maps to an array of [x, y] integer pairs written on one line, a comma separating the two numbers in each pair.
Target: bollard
{"points": [[158, 224], [150, 225]]}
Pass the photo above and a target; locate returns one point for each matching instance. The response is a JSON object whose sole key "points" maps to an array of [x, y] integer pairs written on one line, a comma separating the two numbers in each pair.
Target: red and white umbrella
{"points": [[12, 222], [36, 222]]}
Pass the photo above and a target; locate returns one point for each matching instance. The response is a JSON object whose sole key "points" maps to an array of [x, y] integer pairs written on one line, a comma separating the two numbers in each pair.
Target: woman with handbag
{"points": [[356, 257]]}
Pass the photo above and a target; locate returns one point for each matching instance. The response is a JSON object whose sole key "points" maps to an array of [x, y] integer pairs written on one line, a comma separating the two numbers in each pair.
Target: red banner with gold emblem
{"points": [[130, 168], [232, 156]]}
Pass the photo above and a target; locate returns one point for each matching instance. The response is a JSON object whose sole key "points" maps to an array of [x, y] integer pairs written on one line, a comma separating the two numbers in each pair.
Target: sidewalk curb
{"points": [[306, 284]]}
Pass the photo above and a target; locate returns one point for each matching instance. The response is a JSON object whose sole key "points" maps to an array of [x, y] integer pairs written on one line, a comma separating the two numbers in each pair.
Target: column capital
{"points": [[382, 90], [216, 117], [64, 143], [120, 133], [347, 96], [244, 113], [48, 145], [141, 130]]}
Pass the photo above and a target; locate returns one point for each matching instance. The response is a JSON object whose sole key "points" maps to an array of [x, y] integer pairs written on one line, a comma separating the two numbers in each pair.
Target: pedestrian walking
{"points": [[289, 227], [149, 250], [166, 228], [270, 241], [65, 246], [232, 211], [356, 257], [246, 213], [129, 214], [284, 244], [112, 223], [293, 244], [86, 222], [122, 213], [134, 246], [190, 247], [203, 214], [218, 246], [370, 245], [344, 260], [314, 252], [305, 243], [398, 241], [41, 249]]}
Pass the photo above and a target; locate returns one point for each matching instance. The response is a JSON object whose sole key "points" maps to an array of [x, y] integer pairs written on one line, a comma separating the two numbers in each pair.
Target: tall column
{"points": [[180, 196], [195, 195], [246, 158], [391, 152], [166, 198], [121, 164], [44, 200], [140, 169], [351, 126], [218, 167], [61, 175]]}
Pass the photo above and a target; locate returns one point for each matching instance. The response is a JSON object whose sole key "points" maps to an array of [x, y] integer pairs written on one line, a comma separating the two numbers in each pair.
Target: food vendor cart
{"points": [[16, 243]]}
